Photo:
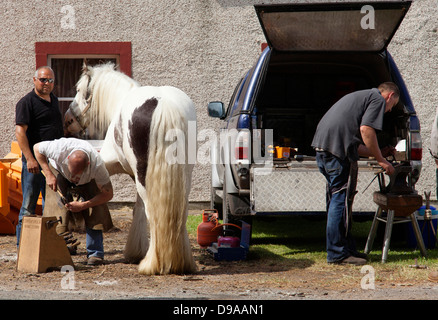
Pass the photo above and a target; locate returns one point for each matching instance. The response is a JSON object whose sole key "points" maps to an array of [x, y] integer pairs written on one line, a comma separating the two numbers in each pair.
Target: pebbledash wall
{"points": [[200, 46]]}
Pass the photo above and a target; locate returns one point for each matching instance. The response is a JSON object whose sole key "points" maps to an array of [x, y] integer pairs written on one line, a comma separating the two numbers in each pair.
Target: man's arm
{"points": [[105, 195], [42, 160], [371, 148], [20, 134]]}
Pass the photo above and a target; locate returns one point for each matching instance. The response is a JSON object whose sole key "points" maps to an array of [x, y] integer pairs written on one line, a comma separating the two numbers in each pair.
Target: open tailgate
{"points": [[351, 26]]}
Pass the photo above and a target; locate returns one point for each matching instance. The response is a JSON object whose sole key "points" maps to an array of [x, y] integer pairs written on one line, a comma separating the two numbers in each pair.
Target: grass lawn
{"points": [[293, 239]]}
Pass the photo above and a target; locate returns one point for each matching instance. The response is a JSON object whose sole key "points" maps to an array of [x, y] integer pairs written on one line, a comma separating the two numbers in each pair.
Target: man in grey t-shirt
{"points": [[347, 131]]}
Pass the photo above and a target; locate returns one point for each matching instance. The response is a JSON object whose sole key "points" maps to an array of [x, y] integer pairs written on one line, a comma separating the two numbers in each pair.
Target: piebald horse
{"points": [[138, 124]]}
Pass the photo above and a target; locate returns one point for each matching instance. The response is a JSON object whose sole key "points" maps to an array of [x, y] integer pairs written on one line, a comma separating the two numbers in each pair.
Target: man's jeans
{"points": [[94, 242], [31, 186], [336, 172]]}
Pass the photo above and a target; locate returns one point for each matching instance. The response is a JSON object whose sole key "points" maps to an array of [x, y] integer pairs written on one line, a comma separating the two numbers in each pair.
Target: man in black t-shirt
{"points": [[37, 118], [347, 131]]}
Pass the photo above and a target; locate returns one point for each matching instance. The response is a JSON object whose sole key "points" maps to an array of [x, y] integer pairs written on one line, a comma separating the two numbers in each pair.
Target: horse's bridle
{"points": [[76, 119]]}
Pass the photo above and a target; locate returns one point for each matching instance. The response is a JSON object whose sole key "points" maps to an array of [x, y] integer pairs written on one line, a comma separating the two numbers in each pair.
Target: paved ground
{"points": [[249, 280]]}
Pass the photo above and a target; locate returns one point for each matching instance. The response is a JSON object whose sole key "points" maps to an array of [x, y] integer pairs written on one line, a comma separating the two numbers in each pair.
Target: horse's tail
{"points": [[168, 179]]}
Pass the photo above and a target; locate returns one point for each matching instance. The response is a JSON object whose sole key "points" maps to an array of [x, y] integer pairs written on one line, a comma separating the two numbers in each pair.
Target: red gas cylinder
{"points": [[207, 233]]}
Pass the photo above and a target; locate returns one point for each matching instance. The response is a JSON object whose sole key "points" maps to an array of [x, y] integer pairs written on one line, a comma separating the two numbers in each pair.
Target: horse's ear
{"points": [[85, 66]]}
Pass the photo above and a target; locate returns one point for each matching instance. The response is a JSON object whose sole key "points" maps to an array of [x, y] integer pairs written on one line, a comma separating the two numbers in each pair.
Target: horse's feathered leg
{"points": [[137, 243]]}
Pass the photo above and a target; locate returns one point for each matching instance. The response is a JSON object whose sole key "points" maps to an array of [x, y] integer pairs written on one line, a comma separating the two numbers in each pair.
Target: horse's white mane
{"points": [[107, 87]]}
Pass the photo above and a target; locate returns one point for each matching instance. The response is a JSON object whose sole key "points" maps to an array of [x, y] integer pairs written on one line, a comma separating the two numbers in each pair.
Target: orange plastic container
{"points": [[15, 197], [11, 195], [8, 220], [282, 152]]}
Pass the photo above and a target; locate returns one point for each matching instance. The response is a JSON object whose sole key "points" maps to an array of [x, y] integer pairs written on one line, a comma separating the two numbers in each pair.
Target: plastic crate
{"points": [[11, 195]]}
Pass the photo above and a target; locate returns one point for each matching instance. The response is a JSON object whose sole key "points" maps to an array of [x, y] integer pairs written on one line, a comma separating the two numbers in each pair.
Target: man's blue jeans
{"points": [[340, 244], [94, 241], [31, 186]]}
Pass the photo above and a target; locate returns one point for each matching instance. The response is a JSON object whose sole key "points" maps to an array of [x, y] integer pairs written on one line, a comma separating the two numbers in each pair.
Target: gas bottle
{"points": [[207, 233]]}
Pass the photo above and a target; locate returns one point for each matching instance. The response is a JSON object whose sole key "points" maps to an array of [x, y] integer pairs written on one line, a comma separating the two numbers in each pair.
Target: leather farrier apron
{"points": [[98, 219]]}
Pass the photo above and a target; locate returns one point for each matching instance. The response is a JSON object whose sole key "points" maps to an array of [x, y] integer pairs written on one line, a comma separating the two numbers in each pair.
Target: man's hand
{"points": [[105, 195], [32, 163], [389, 169], [33, 166], [51, 181], [43, 162], [388, 151], [76, 206], [369, 138]]}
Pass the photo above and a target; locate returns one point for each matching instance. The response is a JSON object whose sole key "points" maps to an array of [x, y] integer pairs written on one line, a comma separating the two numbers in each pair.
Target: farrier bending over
{"points": [[78, 171], [345, 132]]}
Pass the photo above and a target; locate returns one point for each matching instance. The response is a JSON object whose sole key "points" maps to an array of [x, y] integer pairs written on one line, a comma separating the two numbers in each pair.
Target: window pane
{"points": [[67, 73], [93, 62]]}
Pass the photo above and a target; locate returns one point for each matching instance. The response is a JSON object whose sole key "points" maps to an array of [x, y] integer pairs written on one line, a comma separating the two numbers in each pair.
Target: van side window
{"points": [[235, 106]]}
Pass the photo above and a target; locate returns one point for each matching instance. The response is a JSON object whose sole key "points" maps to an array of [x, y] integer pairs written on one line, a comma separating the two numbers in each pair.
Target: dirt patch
{"points": [[251, 279]]}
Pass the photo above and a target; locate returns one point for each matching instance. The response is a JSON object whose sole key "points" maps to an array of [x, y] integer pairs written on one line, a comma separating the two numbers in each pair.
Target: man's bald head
{"points": [[77, 162]]}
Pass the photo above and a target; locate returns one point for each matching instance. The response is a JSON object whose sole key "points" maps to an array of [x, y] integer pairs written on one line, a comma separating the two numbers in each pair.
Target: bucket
{"points": [[425, 228]]}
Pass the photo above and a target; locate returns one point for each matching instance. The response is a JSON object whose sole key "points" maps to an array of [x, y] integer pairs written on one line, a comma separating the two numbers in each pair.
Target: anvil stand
{"points": [[400, 202]]}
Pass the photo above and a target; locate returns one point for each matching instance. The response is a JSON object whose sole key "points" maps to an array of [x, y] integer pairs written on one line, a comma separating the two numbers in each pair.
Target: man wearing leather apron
{"points": [[77, 177], [346, 132]]}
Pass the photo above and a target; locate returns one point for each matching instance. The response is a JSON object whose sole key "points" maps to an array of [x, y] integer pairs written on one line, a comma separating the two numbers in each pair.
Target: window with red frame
{"points": [[67, 60]]}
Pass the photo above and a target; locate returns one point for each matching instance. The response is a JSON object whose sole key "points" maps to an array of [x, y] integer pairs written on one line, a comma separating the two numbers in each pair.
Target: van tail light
{"points": [[241, 153], [416, 146], [242, 146], [416, 153]]}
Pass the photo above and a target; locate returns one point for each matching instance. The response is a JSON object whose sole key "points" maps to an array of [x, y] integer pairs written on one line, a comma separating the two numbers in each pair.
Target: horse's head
{"points": [[77, 118], [99, 92]]}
